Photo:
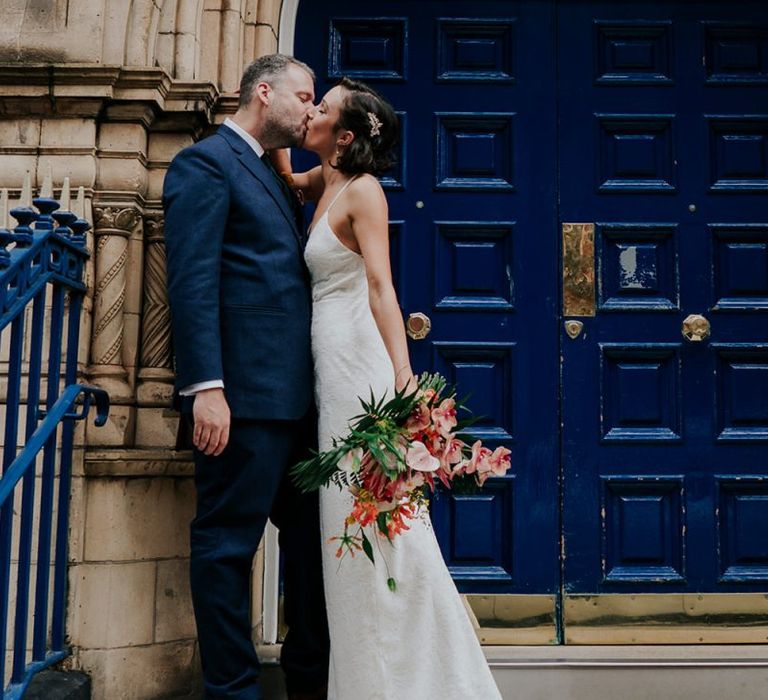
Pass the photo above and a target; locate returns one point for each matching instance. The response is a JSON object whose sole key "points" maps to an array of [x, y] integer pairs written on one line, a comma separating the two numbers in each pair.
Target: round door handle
{"points": [[696, 328], [418, 325]]}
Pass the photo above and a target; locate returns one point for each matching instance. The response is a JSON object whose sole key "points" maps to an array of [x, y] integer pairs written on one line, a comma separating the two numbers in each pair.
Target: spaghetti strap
{"points": [[333, 201], [340, 192]]}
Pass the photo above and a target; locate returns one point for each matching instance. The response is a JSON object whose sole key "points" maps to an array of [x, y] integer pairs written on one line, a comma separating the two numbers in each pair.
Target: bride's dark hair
{"points": [[374, 123]]}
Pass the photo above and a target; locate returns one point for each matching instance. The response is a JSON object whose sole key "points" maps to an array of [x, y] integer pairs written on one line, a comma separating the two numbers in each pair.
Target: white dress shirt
{"points": [[192, 389]]}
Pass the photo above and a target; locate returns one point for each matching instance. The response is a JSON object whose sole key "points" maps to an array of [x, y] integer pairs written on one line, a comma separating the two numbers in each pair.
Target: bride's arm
{"points": [[368, 215], [309, 183]]}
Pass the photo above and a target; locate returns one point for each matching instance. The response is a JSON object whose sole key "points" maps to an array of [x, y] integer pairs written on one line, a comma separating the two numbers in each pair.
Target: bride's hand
{"points": [[406, 381]]}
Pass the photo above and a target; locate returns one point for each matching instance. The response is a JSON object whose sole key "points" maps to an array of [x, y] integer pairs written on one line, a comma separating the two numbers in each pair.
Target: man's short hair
{"points": [[268, 69]]}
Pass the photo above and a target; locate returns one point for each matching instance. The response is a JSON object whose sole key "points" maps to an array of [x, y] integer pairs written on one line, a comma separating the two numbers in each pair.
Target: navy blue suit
{"points": [[240, 308]]}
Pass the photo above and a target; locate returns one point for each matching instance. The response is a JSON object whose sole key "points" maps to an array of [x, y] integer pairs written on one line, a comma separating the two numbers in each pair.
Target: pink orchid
{"points": [[479, 460], [454, 451], [450, 454], [461, 468], [444, 416], [419, 458], [500, 461]]}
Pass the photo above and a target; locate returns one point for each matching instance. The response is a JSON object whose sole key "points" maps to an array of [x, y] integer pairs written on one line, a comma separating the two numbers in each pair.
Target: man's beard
{"points": [[279, 133]]}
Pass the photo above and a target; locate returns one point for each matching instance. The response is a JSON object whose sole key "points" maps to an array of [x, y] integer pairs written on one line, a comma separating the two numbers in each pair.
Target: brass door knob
{"points": [[418, 325], [696, 328]]}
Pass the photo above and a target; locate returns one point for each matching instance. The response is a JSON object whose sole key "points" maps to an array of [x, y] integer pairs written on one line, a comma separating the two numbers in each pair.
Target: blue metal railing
{"points": [[41, 296]]}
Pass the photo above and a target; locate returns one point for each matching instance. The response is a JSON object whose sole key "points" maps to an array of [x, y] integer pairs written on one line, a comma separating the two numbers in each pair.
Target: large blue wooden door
{"points": [[472, 206], [637, 134], [664, 148]]}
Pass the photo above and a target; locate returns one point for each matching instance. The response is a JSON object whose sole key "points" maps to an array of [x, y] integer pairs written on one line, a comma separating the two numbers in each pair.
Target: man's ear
{"points": [[263, 93]]}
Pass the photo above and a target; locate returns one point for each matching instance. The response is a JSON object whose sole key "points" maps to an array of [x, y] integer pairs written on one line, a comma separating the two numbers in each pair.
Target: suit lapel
{"points": [[261, 172]]}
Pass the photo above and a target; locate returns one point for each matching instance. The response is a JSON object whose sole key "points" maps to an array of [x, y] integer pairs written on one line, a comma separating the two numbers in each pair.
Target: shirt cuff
{"points": [[193, 389]]}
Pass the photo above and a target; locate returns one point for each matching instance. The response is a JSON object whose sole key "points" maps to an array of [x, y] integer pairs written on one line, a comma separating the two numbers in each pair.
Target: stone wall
{"points": [[106, 92]]}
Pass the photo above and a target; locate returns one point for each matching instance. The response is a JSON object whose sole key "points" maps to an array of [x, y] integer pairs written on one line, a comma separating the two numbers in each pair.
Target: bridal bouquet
{"points": [[397, 450]]}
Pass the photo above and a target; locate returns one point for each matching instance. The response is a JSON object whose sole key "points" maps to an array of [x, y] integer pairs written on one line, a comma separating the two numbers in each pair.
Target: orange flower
{"points": [[364, 512]]}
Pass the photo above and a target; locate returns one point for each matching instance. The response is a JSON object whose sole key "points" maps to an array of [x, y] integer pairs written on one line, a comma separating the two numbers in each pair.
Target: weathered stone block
{"points": [[122, 174], [265, 41], [133, 519], [68, 133], [112, 604], [158, 671], [156, 427], [79, 167], [123, 136], [210, 31], [174, 617], [269, 12], [118, 430], [77, 516], [15, 167], [20, 132]]}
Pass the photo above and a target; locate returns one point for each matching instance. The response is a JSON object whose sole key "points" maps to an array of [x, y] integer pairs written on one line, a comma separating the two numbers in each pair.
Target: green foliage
{"points": [[367, 548]]}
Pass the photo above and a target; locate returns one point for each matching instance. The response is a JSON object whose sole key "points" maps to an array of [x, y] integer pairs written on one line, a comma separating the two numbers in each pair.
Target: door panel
{"points": [[472, 206]]}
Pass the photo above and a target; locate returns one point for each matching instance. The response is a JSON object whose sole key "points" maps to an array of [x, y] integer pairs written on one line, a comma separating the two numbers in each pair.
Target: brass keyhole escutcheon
{"points": [[573, 329], [418, 326], [696, 328]]}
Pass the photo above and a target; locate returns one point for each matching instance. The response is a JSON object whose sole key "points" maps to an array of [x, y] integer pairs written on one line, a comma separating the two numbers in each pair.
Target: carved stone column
{"points": [[156, 373], [155, 424], [114, 226]]}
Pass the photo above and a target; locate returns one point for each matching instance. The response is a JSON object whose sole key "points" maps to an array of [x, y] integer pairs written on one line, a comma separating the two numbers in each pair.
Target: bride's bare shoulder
{"points": [[366, 191]]}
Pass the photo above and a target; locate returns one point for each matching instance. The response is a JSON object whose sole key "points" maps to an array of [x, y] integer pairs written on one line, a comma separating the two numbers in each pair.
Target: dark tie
{"points": [[290, 195]]}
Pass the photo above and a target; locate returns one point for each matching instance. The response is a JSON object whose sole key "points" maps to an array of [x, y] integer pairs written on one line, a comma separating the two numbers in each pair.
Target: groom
{"points": [[240, 306]]}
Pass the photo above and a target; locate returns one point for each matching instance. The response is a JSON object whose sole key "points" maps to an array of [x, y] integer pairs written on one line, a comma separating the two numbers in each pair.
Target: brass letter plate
{"points": [[578, 269]]}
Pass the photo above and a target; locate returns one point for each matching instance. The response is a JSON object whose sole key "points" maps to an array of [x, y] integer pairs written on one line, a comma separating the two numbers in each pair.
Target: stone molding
{"points": [[110, 463], [85, 89]]}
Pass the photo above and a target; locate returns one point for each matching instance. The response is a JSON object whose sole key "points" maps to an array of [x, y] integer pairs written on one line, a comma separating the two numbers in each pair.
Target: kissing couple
{"points": [[276, 335]]}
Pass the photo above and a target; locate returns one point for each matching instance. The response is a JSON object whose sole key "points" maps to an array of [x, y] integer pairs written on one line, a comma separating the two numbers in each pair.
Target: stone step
{"points": [[59, 685], [705, 672]]}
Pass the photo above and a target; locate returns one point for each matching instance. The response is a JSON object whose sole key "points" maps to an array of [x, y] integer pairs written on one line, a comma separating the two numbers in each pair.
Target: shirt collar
{"points": [[242, 133]]}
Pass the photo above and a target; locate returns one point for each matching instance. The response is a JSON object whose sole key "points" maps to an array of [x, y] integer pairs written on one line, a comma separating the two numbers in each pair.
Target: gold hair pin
{"points": [[375, 124]]}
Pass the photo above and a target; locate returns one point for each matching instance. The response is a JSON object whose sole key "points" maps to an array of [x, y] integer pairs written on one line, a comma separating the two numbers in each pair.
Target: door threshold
{"points": [[628, 656]]}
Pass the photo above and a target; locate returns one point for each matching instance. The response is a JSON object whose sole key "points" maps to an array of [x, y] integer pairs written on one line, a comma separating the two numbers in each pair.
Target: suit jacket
{"points": [[238, 287]]}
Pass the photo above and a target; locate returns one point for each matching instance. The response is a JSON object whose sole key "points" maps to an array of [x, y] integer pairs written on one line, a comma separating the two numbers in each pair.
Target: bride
{"points": [[416, 643]]}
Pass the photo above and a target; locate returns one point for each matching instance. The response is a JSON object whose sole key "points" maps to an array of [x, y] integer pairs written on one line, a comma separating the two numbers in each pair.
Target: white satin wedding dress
{"points": [[416, 643]]}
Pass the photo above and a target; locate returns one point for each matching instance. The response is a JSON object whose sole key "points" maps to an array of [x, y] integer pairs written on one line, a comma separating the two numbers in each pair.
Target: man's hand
{"points": [[212, 418]]}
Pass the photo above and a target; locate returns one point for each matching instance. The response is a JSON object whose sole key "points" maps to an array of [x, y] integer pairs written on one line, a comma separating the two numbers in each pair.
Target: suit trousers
{"points": [[236, 493]]}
